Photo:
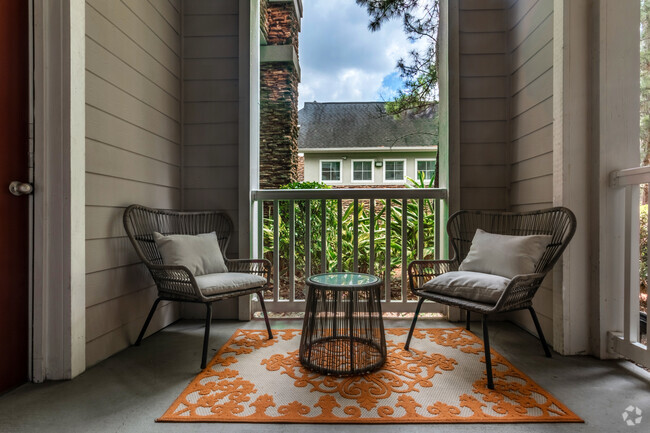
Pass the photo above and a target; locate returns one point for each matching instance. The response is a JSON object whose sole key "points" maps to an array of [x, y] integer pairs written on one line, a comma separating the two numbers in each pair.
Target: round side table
{"points": [[343, 329]]}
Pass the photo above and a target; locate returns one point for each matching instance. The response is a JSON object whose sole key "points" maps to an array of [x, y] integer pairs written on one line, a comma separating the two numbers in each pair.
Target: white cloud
{"points": [[340, 59]]}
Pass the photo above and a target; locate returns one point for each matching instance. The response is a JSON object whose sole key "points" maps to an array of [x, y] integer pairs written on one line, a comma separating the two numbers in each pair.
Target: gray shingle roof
{"points": [[326, 125]]}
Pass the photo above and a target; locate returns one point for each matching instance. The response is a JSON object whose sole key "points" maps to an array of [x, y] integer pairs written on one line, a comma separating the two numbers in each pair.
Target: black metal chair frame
{"points": [[176, 283], [559, 222]]}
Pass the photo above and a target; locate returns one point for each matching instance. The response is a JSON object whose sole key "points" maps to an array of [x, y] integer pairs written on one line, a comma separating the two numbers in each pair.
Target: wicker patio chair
{"points": [[558, 222], [176, 283]]}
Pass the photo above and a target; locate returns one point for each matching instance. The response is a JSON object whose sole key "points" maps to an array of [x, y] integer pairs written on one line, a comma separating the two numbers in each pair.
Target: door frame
{"points": [[57, 310]]}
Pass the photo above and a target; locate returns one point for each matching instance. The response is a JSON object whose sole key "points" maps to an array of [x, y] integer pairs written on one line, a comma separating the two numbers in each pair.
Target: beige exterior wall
{"points": [[531, 106], [483, 107], [530, 47], [210, 124], [211, 119], [312, 165], [506, 114], [133, 155]]}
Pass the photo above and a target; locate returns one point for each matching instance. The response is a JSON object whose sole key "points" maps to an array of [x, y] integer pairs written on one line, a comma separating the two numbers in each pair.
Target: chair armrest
{"points": [[252, 266], [176, 280], [520, 291], [421, 271]]}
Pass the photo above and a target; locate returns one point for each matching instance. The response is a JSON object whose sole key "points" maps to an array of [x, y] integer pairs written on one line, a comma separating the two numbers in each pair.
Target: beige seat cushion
{"points": [[200, 253], [214, 284], [503, 254], [473, 286]]}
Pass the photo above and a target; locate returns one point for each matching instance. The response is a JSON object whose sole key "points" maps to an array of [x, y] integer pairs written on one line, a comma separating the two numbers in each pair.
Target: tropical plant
{"points": [[345, 253]]}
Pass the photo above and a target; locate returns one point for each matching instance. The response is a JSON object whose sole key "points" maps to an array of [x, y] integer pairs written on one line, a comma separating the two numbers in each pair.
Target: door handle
{"points": [[20, 188]]}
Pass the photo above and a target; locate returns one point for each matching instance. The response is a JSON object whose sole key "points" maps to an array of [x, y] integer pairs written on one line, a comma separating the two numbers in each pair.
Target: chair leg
{"points": [[146, 322], [488, 356], [547, 351], [260, 296], [206, 336], [415, 319], [467, 318]]}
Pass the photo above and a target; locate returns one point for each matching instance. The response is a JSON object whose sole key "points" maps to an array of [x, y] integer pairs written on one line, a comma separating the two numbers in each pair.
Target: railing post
{"points": [[339, 237], [307, 238], [404, 242], [355, 241], [323, 236], [276, 250], [260, 229], [292, 250], [388, 250], [631, 285], [371, 259], [437, 242], [420, 229]]}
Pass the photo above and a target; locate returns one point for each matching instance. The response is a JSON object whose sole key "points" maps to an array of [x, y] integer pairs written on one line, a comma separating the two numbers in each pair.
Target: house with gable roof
{"points": [[358, 143]]}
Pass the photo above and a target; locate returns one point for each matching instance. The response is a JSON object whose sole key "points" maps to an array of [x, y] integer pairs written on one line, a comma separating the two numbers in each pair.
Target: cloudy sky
{"points": [[341, 60]]}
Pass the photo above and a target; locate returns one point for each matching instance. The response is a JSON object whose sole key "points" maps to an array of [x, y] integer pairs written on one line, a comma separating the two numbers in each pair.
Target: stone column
{"points": [[279, 78]]}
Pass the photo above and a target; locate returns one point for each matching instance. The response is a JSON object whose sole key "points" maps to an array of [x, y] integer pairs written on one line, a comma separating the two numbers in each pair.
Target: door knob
{"points": [[20, 188]]}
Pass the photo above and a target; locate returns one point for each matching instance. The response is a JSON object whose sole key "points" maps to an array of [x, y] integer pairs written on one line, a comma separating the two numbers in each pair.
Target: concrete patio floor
{"points": [[128, 391]]}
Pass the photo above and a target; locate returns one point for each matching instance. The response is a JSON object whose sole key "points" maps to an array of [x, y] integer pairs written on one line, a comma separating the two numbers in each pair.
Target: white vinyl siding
{"points": [[331, 171], [363, 170], [394, 170]]}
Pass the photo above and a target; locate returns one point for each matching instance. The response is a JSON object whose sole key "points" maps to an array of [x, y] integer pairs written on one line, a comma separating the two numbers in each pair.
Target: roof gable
{"points": [[364, 125]]}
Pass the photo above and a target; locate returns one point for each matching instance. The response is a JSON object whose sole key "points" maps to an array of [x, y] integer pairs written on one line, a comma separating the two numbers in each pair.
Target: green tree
{"points": [[420, 19], [645, 82]]}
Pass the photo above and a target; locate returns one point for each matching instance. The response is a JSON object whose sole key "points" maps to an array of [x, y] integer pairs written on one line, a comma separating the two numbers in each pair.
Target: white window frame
{"points": [[424, 160], [403, 180], [372, 171], [320, 171]]}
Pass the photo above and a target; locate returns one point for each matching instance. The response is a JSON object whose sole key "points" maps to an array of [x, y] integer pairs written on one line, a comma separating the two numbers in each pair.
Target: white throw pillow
{"points": [[504, 255], [199, 253]]}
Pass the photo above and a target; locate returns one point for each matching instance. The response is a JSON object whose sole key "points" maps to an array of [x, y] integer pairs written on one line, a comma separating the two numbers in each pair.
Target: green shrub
{"points": [[347, 232]]}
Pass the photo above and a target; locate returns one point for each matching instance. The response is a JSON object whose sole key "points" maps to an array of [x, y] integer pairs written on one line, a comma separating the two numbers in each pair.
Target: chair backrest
{"points": [[140, 222], [559, 222]]}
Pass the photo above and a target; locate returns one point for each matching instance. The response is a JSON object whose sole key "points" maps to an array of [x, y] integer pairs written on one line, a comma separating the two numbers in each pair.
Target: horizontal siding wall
{"points": [[483, 104], [210, 118], [530, 46], [133, 155]]}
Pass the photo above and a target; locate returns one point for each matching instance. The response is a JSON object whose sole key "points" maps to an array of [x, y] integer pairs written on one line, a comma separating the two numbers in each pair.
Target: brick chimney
{"points": [[279, 78]]}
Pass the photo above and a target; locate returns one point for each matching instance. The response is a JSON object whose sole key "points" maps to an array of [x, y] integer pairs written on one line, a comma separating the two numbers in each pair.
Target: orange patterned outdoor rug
{"points": [[440, 380]]}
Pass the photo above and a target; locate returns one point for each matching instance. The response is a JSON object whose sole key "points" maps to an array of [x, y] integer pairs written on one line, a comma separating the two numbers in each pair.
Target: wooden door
{"points": [[14, 210]]}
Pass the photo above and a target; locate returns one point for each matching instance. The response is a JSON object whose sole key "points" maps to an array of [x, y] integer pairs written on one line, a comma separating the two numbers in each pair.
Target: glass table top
{"points": [[344, 279]]}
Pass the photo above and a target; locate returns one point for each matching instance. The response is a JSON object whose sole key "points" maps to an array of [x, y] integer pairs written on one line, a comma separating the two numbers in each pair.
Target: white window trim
{"points": [[320, 171], [403, 180], [427, 160], [372, 171]]}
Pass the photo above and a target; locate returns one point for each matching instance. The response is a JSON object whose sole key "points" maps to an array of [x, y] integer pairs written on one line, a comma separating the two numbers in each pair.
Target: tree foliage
{"points": [[419, 71], [645, 82]]}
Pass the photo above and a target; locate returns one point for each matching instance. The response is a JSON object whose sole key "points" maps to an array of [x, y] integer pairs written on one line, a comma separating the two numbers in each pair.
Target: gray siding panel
{"points": [[484, 104], [211, 112], [210, 25], [133, 155], [531, 125], [506, 112]]}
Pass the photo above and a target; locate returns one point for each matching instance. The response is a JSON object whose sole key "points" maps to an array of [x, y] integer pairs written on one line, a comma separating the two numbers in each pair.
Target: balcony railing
{"points": [[371, 230], [628, 342]]}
